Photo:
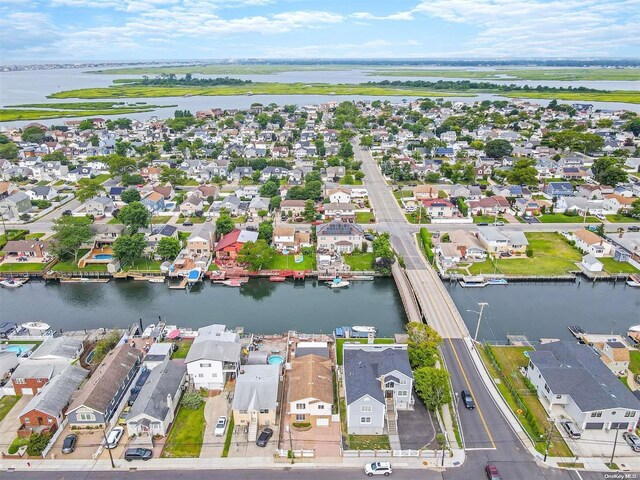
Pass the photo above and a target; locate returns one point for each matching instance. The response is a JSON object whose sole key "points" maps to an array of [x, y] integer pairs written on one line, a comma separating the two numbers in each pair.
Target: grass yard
{"points": [[183, 348], [21, 267], [213, 267], [341, 341], [368, 442], [71, 266], [364, 217], [185, 438], [103, 177], [562, 218], [359, 261], [417, 218], [287, 262], [6, 403], [488, 219], [551, 256], [160, 219], [621, 219], [144, 263], [34, 236], [514, 358], [114, 221], [634, 364], [613, 266]]}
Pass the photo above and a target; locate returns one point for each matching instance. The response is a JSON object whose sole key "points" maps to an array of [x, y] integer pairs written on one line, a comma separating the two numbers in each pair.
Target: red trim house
{"points": [[230, 245]]}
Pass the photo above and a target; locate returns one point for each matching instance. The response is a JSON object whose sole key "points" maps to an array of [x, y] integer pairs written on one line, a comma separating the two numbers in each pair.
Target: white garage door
{"points": [[322, 422]]}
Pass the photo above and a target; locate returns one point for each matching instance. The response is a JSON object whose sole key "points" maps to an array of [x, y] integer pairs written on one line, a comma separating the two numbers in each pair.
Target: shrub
{"points": [[301, 425], [16, 444], [37, 443], [192, 400], [529, 253]]}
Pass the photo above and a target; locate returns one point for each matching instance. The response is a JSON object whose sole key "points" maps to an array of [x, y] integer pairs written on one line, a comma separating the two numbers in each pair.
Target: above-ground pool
{"points": [[275, 360], [19, 349], [103, 256]]}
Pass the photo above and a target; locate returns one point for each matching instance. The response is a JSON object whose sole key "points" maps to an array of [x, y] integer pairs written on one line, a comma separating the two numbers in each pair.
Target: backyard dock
{"points": [[181, 286], [519, 341]]}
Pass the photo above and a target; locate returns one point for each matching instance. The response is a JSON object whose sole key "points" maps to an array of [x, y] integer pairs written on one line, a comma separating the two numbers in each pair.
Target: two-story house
{"points": [[337, 236], [15, 205], [439, 208], [255, 399], [310, 395], [99, 206], [200, 242], [497, 241], [154, 202], [591, 243]]}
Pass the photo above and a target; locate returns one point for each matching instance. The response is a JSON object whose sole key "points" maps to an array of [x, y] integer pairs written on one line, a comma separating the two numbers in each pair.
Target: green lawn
{"points": [[355, 182], [160, 219], [70, 266], [103, 177], [193, 220], [551, 256], [359, 261], [6, 403], [621, 219], [417, 218], [364, 217], [634, 364], [34, 236], [287, 262], [183, 349], [562, 218], [341, 341], [114, 221], [513, 357], [368, 442], [613, 266], [185, 438], [488, 219], [21, 267], [59, 183], [144, 263], [213, 267]]}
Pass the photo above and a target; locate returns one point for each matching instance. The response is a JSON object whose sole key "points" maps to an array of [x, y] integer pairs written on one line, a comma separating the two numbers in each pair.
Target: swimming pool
{"points": [[275, 360], [103, 256], [19, 349]]}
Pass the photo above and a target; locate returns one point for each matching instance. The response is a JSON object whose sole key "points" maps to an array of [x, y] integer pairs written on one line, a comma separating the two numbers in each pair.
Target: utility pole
{"points": [[546, 448], [104, 434], [482, 305], [615, 442]]}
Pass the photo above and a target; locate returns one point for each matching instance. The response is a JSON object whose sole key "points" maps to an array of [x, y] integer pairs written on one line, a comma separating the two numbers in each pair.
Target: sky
{"points": [[135, 30]]}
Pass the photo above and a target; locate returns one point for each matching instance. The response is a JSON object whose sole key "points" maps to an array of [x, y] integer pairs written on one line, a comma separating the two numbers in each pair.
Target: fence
{"points": [[391, 453], [282, 453], [54, 437]]}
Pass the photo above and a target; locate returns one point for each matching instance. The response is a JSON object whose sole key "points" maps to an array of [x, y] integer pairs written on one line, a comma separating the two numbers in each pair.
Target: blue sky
{"points": [[197, 29]]}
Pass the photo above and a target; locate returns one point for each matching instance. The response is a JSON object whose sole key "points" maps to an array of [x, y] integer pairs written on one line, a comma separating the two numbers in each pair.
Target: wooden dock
{"points": [[181, 286]]}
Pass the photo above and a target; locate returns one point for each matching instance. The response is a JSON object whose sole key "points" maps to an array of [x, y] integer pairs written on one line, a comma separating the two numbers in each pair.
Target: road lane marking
{"points": [[477, 449], [464, 375]]}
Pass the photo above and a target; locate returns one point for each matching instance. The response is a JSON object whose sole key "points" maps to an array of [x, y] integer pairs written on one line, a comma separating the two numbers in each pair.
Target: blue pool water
{"points": [[194, 274], [275, 360], [19, 349], [103, 256]]}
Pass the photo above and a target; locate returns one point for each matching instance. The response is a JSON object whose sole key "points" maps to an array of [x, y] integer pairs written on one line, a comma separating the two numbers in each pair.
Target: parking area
{"points": [[241, 447], [325, 441], [86, 446], [214, 407], [10, 424], [598, 443], [415, 427]]}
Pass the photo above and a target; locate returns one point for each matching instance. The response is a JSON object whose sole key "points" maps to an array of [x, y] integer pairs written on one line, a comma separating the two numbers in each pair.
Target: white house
{"points": [[340, 195], [591, 243], [214, 357], [591, 263]]}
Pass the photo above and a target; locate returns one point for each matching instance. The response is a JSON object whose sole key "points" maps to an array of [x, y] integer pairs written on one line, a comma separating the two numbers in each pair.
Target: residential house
{"points": [[7, 188], [310, 395], [157, 354], [154, 202], [591, 243], [165, 190], [230, 245], [626, 247], [337, 236], [284, 237], [96, 402], [192, 205], [46, 410], [200, 242], [59, 348], [292, 208], [616, 356], [439, 208], [591, 263], [257, 204], [79, 173], [214, 357], [339, 195], [277, 172], [99, 206], [489, 205], [34, 250], [425, 192], [255, 399], [155, 407], [468, 245], [378, 381], [159, 232], [31, 375], [206, 191], [559, 189], [42, 193], [573, 383], [341, 211], [15, 205], [497, 241], [527, 207], [151, 173], [240, 173], [614, 203], [334, 173], [8, 362]]}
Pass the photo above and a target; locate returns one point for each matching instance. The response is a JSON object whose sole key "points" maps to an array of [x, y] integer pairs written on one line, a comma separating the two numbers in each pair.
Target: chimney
{"points": [[170, 402]]}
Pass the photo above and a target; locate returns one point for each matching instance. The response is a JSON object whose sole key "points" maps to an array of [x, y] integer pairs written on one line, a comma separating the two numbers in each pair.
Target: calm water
{"points": [[545, 310], [33, 87], [260, 306]]}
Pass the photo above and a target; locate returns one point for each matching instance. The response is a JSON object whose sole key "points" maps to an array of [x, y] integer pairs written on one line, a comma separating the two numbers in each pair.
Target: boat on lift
{"points": [[634, 280], [364, 329], [338, 283], [473, 282]]}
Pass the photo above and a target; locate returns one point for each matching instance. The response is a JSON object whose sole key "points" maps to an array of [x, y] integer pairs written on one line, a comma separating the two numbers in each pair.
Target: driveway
{"points": [[415, 427], [241, 447], [10, 424], [214, 407], [324, 440], [86, 446]]}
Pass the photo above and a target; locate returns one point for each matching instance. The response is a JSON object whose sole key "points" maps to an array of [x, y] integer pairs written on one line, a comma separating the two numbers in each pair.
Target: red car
{"points": [[492, 472], [317, 222]]}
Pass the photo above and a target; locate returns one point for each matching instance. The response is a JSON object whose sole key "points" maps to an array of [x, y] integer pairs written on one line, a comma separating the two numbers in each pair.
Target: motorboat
{"points": [[12, 283], [156, 280], [36, 329], [148, 331], [194, 275], [473, 282], [497, 281], [231, 283], [338, 283], [277, 278], [634, 280], [362, 277], [364, 329]]}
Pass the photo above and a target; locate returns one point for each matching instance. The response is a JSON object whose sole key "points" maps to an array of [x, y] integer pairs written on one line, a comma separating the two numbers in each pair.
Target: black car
{"points": [[369, 237], [69, 443], [467, 399], [251, 228], [633, 228], [483, 224], [138, 454], [188, 223], [143, 377], [66, 213], [264, 437], [134, 394]]}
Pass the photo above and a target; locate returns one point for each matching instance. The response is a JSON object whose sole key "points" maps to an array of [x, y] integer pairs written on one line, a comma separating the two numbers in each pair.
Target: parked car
{"points": [[483, 224], [467, 399], [66, 213], [632, 440], [138, 454], [188, 223], [492, 472], [369, 237], [505, 254], [264, 437], [134, 394], [633, 228], [251, 228], [498, 224], [378, 468], [144, 374], [571, 429], [221, 425], [114, 437], [69, 443], [600, 216], [122, 419]]}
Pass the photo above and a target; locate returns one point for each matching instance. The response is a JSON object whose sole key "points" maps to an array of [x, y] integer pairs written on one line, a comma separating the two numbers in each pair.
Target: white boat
{"points": [[362, 277], [497, 281], [473, 282], [156, 280], [12, 283], [148, 331], [338, 283], [364, 329], [36, 329], [634, 280]]}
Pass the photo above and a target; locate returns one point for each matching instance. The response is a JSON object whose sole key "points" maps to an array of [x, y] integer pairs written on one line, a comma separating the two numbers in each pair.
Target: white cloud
{"points": [[392, 16]]}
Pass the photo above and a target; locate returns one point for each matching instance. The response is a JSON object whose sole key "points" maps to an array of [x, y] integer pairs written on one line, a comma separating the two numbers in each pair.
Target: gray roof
{"points": [[214, 343], [158, 352], [338, 228], [62, 347], [572, 369], [56, 395], [257, 387], [39, 368], [363, 368], [163, 381]]}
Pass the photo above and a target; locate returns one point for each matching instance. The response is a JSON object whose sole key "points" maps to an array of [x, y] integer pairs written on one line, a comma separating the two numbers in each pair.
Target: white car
{"points": [[114, 437], [378, 468], [221, 425]]}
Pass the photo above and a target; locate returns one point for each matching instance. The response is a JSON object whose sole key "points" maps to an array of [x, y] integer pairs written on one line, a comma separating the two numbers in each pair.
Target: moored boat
{"points": [[364, 329], [12, 283], [156, 279], [497, 281], [473, 282], [338, 283], [231, 283], [634, 280], [277, 278]]}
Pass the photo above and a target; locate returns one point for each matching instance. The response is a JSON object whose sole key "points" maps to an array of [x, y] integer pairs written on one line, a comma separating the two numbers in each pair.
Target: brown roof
{"points": [[209, 190], [588, 237], [284, 231], [26, 246], [621, 200], [292, 203], [620, 354], [107, 379], [311, 377], [164, 190]]}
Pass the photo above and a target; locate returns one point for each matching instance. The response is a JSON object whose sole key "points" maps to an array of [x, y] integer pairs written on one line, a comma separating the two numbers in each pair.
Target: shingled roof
{"points": [[311, 377]]}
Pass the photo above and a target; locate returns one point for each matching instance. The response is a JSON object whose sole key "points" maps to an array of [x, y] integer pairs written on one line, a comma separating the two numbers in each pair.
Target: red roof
{"points": [[228, 240], [437, 202]]}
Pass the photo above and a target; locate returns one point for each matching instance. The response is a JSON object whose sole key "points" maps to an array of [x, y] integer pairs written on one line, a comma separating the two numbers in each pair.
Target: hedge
{"points": [[427, 243]]}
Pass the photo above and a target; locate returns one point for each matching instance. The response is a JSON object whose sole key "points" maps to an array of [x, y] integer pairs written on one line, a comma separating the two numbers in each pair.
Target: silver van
{"points": [[571, 429]]}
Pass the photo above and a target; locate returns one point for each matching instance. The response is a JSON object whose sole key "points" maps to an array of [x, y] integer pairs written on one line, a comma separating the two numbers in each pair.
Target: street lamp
{"points": [[481, 305]]}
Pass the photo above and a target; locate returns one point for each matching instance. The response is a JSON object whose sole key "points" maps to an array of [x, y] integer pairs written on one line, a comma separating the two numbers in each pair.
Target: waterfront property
{"points": [[31, 375], [255, 399], [337, 236], [59, 348], [574, 384], [378, 381], [310, 393]]}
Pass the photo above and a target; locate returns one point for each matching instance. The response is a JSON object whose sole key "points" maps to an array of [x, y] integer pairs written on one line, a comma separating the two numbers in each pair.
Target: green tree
{"points": [[422, 345], [130, 195], [128, 248], [86, 124], [56, 156], [174, 176], [432, 386], [224, 224], [134, 216], [312, 189], [321, 149], [256, 255], [168, 248], [9, 151], [383, 254], [37, 443], [118, 164], [633, 126], [88, 188], [609, 171], [498, 148], [274, 202], [635, 209], [523, 173], [309, 212], [366, 140], [265, 231], [69, 236], [270, 188], [263, 213], [33, 135], [345, 150]]}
